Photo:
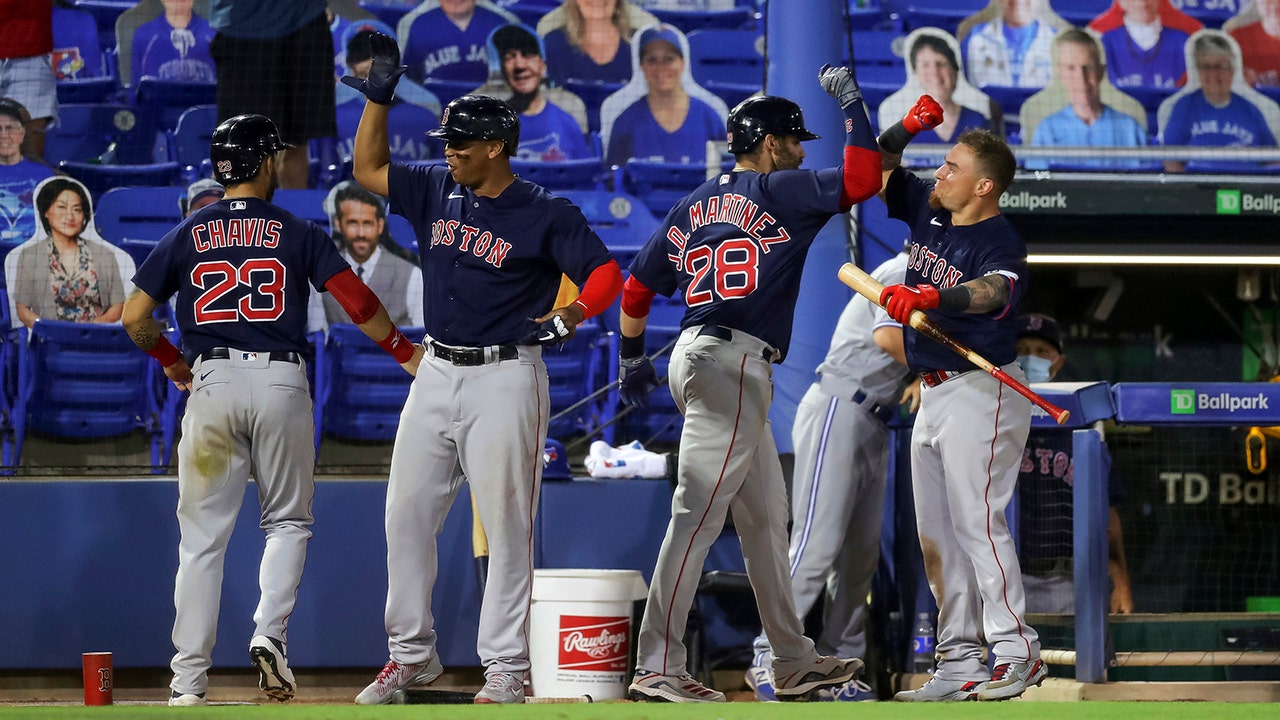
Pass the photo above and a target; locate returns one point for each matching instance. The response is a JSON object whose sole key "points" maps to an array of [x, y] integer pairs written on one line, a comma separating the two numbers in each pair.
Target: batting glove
{"points": [[552, 331], [926, 114], [636, 379], [899, 300], [839, 84], [380, 86]]}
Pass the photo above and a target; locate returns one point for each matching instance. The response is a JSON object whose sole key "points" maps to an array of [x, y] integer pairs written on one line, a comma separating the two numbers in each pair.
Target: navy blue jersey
{"points": [[1045, 482], [489, 265], [944, 255], [735, 248], [240, 268]]}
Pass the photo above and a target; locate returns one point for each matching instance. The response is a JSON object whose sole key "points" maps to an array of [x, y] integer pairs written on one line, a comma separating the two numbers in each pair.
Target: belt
{"points": [[472, 356], [937, 377], [1048, 566], [720, 332], [880, 412], [224, 353]]}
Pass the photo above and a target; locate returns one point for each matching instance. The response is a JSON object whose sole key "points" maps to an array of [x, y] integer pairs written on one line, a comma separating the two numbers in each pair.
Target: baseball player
{"points": [[493, 248], [240, 268], [734, 248], [841, 442], [967, 271]]}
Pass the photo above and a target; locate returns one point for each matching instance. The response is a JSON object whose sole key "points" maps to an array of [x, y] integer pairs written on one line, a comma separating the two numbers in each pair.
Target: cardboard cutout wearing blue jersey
{"points": [[992, 59], [433, 46], [975, 108]]}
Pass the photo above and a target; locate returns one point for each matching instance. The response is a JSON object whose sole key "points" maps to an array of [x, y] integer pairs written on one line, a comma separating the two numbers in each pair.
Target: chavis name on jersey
{"points": [[236, 232], [478, 242], [733, 209]]}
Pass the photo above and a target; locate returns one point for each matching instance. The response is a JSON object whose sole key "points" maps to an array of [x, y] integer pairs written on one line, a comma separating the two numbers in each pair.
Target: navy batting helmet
{"points": [[240, 144], [756, 117], [479, 117]]}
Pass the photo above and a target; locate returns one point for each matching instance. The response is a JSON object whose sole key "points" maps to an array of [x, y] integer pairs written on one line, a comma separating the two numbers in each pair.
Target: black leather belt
{"points": [[937, 377], [470, 356], [222, 353], [723, 333], [880, 412]]}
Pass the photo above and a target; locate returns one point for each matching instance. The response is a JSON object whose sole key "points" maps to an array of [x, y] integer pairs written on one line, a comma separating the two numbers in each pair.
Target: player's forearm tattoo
{"points": [[145, 336], [987, 293], [889, 161]]}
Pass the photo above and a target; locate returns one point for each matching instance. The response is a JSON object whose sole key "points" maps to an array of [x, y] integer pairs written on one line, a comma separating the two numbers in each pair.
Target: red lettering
{"points": [[500, 249]]}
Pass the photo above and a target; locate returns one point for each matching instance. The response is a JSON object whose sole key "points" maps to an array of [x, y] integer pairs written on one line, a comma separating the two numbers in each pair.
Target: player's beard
{"points": [[935, 202], [273, 183]]}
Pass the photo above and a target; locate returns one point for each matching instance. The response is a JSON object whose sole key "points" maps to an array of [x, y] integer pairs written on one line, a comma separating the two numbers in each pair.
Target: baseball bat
{"points": [[479, 545], [870, 288]]}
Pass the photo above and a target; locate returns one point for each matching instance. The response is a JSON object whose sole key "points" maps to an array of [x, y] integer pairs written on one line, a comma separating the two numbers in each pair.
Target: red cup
{"points": [[98, 680]]}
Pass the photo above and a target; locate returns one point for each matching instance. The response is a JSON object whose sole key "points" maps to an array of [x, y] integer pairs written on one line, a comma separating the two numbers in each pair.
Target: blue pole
{"points": [[799, 42], [1089, 517]]}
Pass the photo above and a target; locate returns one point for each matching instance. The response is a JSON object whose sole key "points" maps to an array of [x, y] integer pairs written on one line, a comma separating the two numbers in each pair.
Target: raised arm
{"points": [[371, 157], [926, 114]]}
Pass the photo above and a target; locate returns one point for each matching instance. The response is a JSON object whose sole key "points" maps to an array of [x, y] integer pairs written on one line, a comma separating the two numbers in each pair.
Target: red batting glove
{"points": [[926, 115], [900, 300]]}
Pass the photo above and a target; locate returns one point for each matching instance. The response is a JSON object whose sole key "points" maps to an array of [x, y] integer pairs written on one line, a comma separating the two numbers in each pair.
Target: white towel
{"points": [[625, 461]]}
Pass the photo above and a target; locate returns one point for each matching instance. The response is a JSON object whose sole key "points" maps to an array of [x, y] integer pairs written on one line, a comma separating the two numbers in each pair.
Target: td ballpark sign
{"points": [[1188, 402]]}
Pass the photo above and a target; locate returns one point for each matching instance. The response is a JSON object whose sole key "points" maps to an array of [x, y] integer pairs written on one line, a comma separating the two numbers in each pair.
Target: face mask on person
{"points": [[1036, 368]]}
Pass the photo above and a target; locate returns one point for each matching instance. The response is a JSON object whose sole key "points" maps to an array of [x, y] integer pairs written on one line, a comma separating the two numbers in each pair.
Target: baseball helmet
{"points": [[756, 117], [240, 144], [555, 461], [479, 117]]}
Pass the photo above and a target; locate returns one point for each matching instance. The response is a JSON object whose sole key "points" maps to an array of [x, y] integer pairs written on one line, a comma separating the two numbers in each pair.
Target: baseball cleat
{"points": [[654, 687], [1011, 679], [274, 676], [177, 699], [397, 676], [501, 688], [824, 672], [760, 680], [939, 690]]}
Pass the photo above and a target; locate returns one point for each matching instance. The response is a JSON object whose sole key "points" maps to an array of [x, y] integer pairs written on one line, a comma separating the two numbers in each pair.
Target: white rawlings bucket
{"points": [[580, 632]]}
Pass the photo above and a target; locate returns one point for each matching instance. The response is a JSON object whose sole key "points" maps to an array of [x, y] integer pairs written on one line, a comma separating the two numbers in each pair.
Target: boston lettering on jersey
{"points": [[236, 232], [470, 239], [733, 209], [936, 269]]}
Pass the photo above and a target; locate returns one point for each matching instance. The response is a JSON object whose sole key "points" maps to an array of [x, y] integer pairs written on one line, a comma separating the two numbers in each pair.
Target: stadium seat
{"points": [[736, 18], [593, 94], [73, 91], [105, 13], [389, 13], [167, 100], [307, 204], [82, 381], [89, 131], [945, 14], [622, 221], [190, 140], [557, 176], [575, 370], [447, 90], [360, 389], [1080, 12], [729, 63], [101, 178], [139, 213], [661, 184]]}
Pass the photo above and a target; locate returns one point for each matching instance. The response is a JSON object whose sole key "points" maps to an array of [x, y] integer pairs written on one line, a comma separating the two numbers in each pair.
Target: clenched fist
{"points": [[926, 114], [900, 300], [839, 84], [636, 379]]}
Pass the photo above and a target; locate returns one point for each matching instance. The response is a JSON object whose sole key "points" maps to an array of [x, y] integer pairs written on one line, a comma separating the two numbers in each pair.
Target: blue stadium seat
{"points": [[1079, 12], [389, 13], [557, 176], [82, 381], [105, 13], [88, 131], [622, 221], [73, 91], [593, 94], [729, 63], [531, 11], [879, 82], [307, 204], [575, 370], [447, 90], [661, 184], [138, 213], [945, 14], [101, 178], [166, 100], [737, 18], [190, 140], [360, 389]]}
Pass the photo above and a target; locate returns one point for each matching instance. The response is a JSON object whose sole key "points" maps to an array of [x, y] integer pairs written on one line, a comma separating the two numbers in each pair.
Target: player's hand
{"points": [[636, 379], [839, 84], [556, 327], [900, 300], [380, 86], [411, 365], [911, 396], [180, 374], [926, 114]]}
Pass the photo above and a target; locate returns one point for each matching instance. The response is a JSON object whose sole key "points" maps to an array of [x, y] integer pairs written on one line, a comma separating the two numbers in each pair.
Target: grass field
{"points": [[639, 711]]}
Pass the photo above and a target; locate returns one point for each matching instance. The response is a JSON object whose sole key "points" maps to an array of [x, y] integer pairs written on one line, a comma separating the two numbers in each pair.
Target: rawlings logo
{"points": [[594, 643]]}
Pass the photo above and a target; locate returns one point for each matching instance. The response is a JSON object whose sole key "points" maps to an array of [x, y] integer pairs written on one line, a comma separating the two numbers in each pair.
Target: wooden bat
{"points": [[479, 546], [870, 288]]}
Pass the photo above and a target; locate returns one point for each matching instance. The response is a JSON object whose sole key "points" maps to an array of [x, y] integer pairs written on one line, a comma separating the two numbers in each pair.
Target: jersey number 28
{"points": [[264, 302], [729, 271]]}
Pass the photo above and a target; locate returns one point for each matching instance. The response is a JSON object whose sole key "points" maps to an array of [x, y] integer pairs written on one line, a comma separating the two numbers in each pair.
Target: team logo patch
{"points": [[239, 205], [848, 125], [224, 166]]}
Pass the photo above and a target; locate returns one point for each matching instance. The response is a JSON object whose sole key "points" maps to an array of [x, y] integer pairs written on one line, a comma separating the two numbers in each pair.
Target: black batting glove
{"points": [[552, 331], [380, 86], [636, 379]]}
